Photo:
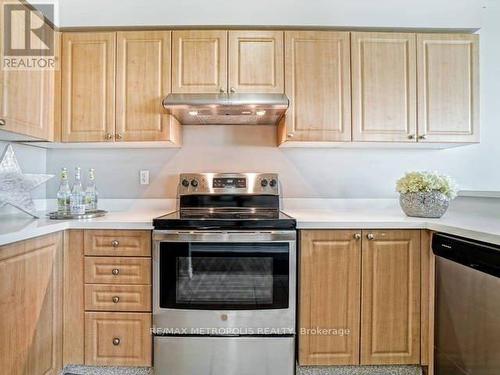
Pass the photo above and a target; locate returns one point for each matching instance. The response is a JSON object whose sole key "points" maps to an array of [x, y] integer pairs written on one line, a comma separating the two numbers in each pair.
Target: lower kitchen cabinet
{"points": [[390, 297], [330, 269], [31, 314], [118, 339], [360, 297], [107, 298]]}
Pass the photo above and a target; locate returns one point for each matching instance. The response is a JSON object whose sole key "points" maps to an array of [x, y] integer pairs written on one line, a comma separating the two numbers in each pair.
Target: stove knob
{"points": [[185, 183], [273, 183], [194, 183], [263, 182]]}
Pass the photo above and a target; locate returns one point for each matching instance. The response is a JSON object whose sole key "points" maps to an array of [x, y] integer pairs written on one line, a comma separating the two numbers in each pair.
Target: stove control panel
{"points": [[228, 183]]}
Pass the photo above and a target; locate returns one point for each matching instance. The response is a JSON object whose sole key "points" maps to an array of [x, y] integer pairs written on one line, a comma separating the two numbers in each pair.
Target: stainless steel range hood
{"points": [[226, 109]]}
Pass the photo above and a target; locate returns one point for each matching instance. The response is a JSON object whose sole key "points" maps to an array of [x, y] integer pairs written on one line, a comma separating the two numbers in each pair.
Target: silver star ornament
{"points": [[16, 187]]}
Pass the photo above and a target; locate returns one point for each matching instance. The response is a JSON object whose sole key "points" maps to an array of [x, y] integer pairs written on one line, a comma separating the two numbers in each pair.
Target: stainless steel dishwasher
{"points": [[467, 320]]}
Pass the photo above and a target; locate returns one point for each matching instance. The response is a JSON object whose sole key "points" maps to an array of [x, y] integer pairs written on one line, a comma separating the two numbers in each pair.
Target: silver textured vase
{"points": [[424, 204]]}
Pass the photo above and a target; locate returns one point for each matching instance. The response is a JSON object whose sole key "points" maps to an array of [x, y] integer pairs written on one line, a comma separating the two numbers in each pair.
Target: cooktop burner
{"points": [[227, 201]]}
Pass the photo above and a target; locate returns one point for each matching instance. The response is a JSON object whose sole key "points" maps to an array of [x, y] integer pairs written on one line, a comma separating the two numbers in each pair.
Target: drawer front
{"points": [[105, 270], [118, 339], [100, 297], [118, 242]]}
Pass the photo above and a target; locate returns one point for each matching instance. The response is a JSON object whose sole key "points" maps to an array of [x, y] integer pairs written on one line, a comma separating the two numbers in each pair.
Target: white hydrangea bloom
{"points": [[413, 182]]}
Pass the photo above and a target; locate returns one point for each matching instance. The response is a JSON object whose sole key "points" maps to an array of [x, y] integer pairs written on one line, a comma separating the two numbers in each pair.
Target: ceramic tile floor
{"points": [[338, 370]]}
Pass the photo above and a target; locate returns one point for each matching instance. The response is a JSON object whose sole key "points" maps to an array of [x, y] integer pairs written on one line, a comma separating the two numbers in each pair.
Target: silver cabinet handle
{"points": [[2, 122], [116, 341], [411, 136], [108, 136], [222, 90], [118, 136], [290, 135], [370, 236], [423, 136], [115, 243], [233, 90], [115, 271], [116, 299], [357, 236]]}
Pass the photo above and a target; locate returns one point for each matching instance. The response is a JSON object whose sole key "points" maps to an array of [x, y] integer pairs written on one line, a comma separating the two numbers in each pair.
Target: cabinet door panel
{"points": [[256, 61], [142, 81], [448, 87], [390, 309], [31, 307], [330, 264], [28, 98], [317, 82], [199, 61], [88, 87], [384, 87], [117, 339]]}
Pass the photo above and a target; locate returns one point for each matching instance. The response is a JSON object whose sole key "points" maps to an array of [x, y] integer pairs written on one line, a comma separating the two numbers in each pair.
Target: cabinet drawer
{"points": [[118, 297], [118, 242], [117, 339], [104, 270]]}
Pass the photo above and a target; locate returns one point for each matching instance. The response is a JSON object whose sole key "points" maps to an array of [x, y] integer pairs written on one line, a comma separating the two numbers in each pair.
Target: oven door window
{"points": [[224, 276]]}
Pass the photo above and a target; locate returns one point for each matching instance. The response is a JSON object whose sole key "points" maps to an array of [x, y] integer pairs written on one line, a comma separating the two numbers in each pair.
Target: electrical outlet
{"points": [[144, 177]]}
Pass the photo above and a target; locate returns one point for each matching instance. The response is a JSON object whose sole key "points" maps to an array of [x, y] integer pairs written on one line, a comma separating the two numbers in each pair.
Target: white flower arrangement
{"points": [[414, 182]]}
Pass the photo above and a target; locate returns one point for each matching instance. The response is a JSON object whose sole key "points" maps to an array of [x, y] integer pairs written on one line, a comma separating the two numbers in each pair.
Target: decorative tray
{"points": [[87, 215]]}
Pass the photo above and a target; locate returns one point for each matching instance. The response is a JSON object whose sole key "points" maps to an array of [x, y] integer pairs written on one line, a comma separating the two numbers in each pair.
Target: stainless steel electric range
{"points": [[224, 278]]}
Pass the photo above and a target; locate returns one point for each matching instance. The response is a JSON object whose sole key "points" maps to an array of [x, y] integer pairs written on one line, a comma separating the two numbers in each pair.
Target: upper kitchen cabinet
{"points": [[384, 87], [448, 87], [142, 81], [256, 62], [199, 61], [29, 99], [88, 87], [317, 82]]}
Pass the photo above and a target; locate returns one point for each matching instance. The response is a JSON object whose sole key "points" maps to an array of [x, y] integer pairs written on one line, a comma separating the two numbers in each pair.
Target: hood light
{"points": [[246, 112], [260, 113], [193, 113]]}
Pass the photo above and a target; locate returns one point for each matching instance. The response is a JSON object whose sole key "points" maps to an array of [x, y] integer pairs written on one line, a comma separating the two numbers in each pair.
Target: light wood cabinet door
{"points": [[88, 87], [31, 307], [142, 81], [256, 61], [384, 87], [29, 98], [317, 82], [199, 61], [118, 339], [330, 276], [390, 294], [448, 87]]}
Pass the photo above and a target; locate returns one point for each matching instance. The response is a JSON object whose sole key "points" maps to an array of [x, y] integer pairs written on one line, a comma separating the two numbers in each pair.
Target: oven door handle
{"points": [[224, 236]]}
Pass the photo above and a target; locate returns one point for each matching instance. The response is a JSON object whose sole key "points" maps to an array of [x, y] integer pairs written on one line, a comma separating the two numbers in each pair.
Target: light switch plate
{"points": [[144, 177]]}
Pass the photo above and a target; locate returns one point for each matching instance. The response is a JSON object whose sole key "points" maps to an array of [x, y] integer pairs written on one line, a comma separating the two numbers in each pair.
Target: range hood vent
{"points": [[226, 109]]}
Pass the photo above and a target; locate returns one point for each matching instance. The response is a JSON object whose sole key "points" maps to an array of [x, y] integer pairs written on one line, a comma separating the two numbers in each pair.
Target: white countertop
{"points": [[475, 218]]}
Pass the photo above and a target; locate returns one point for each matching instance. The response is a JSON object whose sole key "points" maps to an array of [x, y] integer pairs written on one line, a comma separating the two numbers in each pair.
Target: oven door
{"points": [[224, 283]]}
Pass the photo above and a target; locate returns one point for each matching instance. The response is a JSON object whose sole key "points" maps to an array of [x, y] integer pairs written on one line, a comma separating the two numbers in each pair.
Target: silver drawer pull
{"points": [[115, 243], [115, 271], [370, 236], [2, 122], [116, 299], [116, 341]]}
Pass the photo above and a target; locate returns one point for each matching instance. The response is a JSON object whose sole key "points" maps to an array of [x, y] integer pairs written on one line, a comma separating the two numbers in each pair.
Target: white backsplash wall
{"points": [[304, 172]]}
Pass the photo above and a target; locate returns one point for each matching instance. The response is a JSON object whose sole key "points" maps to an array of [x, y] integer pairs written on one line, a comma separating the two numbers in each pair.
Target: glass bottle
{"points": [[77, 203], [63, 194], [91, 192]]}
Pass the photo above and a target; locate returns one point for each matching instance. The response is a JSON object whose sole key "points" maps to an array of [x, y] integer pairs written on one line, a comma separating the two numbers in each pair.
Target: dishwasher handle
{"points": [[480, 256]]}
